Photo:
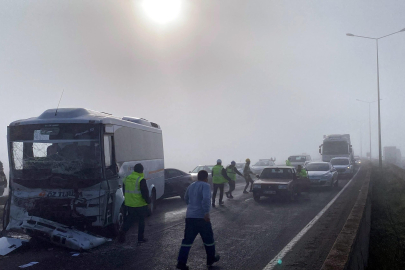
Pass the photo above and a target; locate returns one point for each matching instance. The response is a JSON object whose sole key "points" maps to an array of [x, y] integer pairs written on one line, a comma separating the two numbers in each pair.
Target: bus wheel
{"points": [[6, 218], [116, 227], [152, 205]]}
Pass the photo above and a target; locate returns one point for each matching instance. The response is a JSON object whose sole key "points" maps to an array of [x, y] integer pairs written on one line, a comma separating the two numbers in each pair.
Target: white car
{"points": [[322, 174], [258, 167], [343, 165]]}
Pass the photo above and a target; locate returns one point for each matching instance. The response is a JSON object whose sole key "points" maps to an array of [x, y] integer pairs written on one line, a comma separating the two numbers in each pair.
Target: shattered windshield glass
{"points": [[58, 150]]}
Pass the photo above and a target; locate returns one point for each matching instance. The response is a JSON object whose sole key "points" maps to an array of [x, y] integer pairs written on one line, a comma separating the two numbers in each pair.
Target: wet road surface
{"points": [[248, 236]]}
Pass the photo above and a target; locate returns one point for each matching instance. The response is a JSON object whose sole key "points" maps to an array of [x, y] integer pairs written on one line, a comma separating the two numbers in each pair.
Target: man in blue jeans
{"points": [[198, 199]]}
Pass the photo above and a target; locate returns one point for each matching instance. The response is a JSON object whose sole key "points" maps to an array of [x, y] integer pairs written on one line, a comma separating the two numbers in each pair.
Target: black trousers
{"points": [[221, 192], [136, 213], [231, 186], [195, 226]]}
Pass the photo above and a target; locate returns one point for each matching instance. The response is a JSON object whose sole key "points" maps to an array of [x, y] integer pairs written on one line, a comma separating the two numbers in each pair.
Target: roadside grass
{"points": [[387, 235]]}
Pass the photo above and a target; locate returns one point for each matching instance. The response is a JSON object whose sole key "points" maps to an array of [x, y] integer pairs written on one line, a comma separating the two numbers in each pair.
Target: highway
{"points": [[248, 235]]}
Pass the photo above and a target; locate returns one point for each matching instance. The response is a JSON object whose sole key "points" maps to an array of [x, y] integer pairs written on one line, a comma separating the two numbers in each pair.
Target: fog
{"points": [[227, 79]]}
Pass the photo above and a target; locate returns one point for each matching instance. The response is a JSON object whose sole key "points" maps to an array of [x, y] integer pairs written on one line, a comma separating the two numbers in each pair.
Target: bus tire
{"points": [[116, 227], [152, 205], [6, 218]]}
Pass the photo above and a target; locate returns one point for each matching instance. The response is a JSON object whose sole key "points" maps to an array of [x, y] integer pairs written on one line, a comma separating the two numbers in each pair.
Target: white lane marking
{"points": [[294, 241]]}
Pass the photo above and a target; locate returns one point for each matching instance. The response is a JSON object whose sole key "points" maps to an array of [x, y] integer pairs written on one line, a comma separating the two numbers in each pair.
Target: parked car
{"points": [[258, 167], [176, 183], [281, 181], [343, 165], [322, 174], [208, 168]]}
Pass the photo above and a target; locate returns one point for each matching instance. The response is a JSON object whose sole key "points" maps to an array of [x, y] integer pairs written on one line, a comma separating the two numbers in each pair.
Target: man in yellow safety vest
{"points": [[219, 178], [231, 171], [136, 203]]}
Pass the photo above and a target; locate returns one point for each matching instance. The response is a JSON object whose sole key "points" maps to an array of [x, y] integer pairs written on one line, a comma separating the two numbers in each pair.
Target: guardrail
{"points": [[398, 171], [350, 250]]}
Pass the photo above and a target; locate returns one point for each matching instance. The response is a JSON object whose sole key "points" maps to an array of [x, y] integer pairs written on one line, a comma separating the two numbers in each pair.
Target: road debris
{"points": [[8, 244], [28, 265], [61, 235]]}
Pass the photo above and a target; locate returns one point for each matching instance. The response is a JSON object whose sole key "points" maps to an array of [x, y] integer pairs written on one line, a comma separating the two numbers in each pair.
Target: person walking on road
{"points": [[198, 199], [219, 178], [231, 171], [136, 203], [246, 173]]}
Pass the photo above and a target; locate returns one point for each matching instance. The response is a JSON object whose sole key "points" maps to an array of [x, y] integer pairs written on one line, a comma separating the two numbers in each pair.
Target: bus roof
{"points": [[82, 115]]}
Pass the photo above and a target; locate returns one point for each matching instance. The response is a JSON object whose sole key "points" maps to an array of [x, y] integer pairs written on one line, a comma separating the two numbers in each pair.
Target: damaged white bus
{"points": [[67, 168]]}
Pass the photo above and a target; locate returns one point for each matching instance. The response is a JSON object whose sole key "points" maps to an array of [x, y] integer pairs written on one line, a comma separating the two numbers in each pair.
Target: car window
{"points": [[170, 173], [340, 161], [197, 169], [318, 167], [277, 173]]}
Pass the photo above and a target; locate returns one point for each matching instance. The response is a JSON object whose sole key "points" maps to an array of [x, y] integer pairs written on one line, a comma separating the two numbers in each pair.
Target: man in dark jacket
{"points": [[136, 203]]}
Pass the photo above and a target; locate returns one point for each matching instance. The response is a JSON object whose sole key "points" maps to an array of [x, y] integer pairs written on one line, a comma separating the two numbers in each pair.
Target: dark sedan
{"points": [[176, 183]]}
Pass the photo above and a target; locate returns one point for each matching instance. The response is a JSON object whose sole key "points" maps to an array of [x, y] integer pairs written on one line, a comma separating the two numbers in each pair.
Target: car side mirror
{"points": [[189, 172], [258, 176]]}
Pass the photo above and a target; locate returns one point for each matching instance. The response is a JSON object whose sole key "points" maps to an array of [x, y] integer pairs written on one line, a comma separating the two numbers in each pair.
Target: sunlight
{"points": [[162, 11]]}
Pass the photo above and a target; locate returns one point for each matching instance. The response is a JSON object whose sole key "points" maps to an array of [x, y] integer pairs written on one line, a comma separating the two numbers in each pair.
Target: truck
{"points": [[392, 154], [67, 168], [336, 145]]}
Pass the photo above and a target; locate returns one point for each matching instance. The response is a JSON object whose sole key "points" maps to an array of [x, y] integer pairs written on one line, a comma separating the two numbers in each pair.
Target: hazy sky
{"points": [[228, 79]]}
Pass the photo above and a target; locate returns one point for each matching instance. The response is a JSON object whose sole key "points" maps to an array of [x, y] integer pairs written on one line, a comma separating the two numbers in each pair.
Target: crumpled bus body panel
{"points": [[65, 206], [61, 235]]}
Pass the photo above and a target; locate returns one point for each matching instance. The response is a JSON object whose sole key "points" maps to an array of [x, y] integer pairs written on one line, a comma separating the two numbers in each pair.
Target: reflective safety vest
{"points": [[287, 163], [302, 173], [133, 195], [231, 173], [218, 178]]}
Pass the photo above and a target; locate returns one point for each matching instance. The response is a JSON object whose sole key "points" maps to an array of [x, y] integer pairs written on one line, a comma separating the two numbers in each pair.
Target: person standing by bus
{"points": [[136, 203]]}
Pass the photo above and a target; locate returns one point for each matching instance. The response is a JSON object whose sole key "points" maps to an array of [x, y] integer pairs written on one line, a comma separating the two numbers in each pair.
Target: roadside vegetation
{"points": [[387, 235]]}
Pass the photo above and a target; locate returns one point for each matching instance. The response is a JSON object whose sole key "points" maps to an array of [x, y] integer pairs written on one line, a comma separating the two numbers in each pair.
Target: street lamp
{"points": [[378, 89], [369, 118]]}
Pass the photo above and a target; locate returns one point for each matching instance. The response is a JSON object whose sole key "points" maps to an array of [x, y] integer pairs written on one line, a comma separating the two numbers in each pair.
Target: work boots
{"points": [[211, 262]]}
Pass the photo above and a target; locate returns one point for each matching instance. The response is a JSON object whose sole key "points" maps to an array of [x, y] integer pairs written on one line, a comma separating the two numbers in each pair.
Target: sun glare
{"points": [[162, 11]]}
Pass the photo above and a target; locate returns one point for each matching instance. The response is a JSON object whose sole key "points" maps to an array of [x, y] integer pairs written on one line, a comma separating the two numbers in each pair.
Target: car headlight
{"points": [[257, 186], [282, 186], [348, 167]]}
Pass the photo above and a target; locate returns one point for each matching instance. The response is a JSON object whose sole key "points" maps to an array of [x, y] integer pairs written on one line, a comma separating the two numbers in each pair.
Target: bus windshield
{"points": [[55, 151], [335, 148]]}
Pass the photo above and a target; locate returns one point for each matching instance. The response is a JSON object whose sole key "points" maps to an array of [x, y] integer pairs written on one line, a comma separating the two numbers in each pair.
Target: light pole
{"points": [[378, 89], [369, 118]]}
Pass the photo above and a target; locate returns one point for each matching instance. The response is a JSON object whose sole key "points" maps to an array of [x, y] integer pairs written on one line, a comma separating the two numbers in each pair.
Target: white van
{"points": [[68, 166], [299, 160]]}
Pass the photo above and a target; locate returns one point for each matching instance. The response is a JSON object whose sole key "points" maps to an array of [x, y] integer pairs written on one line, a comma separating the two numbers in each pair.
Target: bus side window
{"points": [[110, 168]]}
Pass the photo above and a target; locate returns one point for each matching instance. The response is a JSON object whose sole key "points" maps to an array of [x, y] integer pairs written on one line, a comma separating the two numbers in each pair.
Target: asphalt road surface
{"points": [[248, 236]]}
